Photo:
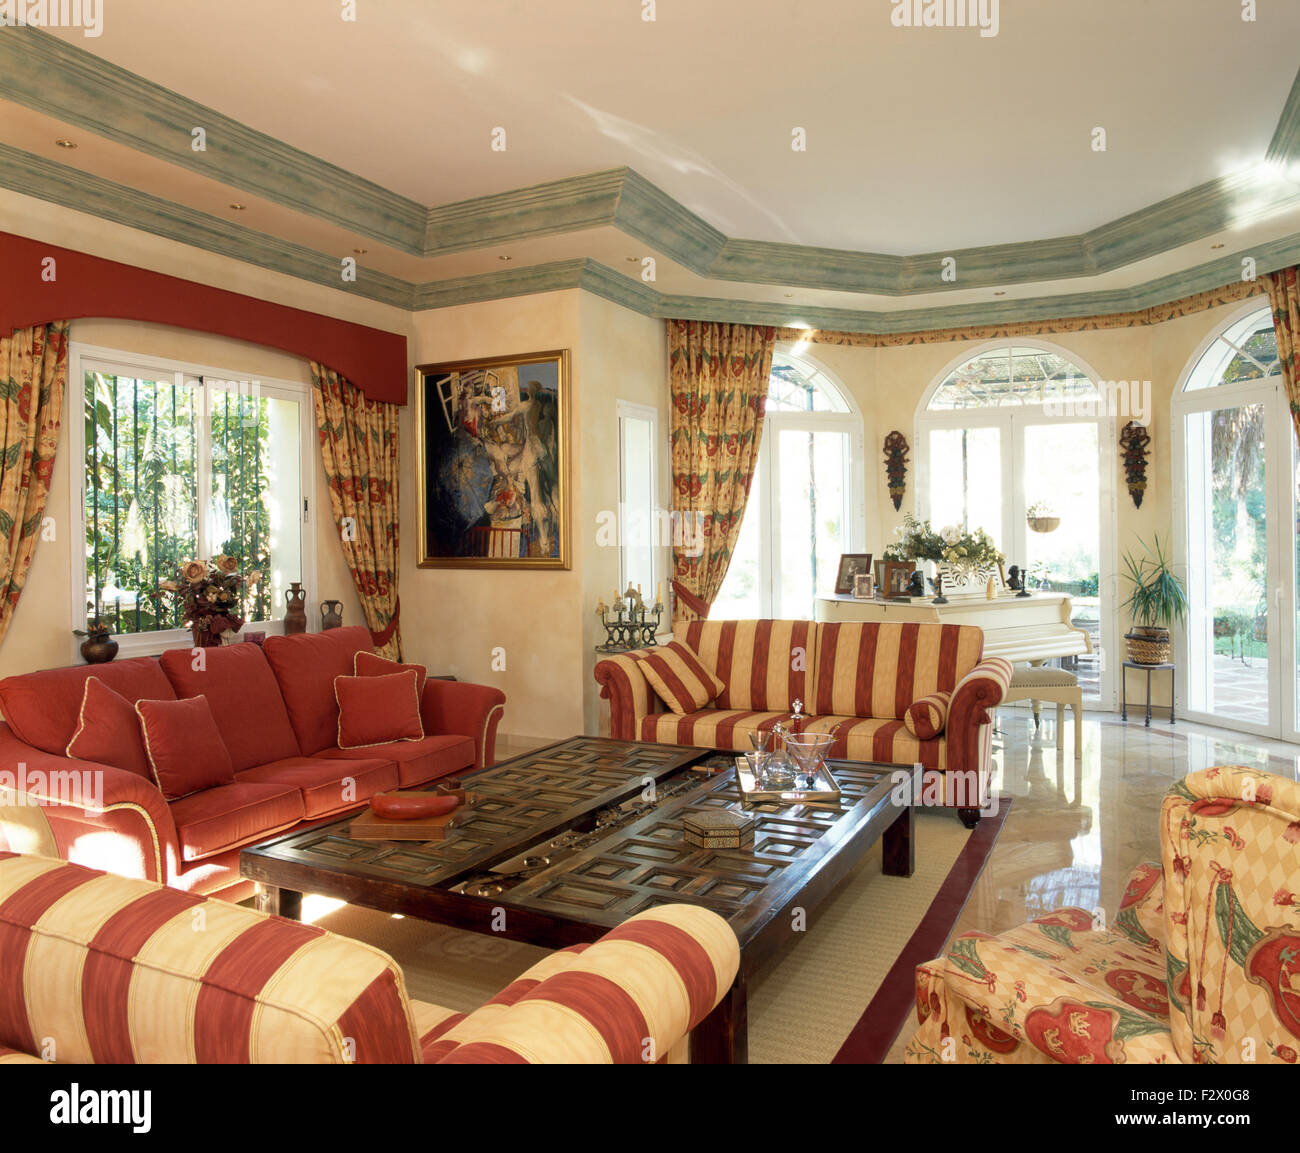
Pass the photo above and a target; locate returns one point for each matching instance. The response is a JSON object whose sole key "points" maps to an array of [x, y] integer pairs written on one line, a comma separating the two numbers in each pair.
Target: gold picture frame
{"points": [[492, 462]]}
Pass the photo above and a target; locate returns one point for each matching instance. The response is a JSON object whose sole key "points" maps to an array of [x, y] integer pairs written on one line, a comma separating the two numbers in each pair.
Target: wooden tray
{"points": [[369, 826]]}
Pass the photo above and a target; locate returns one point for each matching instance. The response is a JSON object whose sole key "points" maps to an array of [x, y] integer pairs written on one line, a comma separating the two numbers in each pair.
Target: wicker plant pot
{"points": [[1044, 523], [1149, 646]]}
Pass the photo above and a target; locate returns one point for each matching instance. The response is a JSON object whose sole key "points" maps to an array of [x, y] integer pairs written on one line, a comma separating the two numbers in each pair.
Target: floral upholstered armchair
{"points": [[1201, 964]]}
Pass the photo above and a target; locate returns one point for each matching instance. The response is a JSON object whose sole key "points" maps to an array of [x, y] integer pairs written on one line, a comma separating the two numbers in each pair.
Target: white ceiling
{"points": [[919, 140]]}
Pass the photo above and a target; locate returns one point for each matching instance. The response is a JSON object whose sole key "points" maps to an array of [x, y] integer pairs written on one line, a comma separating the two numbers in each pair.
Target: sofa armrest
{"points": [[975, 695], [1141, 913], [467, 710], [630, 696], [629, 998], [85, 812]]}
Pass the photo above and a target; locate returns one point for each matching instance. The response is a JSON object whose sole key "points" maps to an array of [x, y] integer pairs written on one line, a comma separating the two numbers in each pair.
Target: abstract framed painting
{"points": [[492, 468]]}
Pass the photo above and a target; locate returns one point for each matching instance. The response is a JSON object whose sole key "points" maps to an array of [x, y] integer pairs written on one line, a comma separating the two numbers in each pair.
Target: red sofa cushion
{"points": [[417, 761], [245, 700], [367, 664], [184, 746], [378, 710], [43, 707], [214, 820], [324, 784], [109, 731], [305, 666]]}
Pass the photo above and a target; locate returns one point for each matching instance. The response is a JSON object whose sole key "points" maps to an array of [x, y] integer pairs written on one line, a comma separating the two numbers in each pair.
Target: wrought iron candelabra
{"points": [[633, 625]]}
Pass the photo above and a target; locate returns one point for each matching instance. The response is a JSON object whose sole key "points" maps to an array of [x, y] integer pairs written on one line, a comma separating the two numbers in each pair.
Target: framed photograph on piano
{"points": [[851, 564]]}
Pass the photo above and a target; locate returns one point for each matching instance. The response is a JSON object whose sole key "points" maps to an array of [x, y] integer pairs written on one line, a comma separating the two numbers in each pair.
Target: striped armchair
{"points": [[106, 969], [858, 679]]}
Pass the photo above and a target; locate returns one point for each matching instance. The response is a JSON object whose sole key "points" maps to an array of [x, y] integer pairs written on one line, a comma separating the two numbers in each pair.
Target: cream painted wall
{"points": [[453, 619], [624, 357]]}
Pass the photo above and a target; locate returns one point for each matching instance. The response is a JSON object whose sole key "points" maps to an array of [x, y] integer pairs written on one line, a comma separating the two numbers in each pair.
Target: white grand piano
{"points": [[1028, 629]]}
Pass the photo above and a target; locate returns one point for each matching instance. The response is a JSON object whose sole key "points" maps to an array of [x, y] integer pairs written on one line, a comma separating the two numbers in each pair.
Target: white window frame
{"points": [[1011, 420], [84, 357], [625, 410], [1279, 510], [767, 469]]}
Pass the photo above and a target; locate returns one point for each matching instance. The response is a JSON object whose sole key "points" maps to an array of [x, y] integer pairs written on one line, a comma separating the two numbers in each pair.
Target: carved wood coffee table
{"points": [[570, 840]]}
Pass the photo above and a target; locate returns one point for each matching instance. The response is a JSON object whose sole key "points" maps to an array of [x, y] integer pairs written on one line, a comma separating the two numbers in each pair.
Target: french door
{"points": [[984, 469], [1237, 462]]}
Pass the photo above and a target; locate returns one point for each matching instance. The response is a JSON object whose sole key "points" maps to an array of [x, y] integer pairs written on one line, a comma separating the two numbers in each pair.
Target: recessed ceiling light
{"points": [[999, 294], [1216, 245], [62, 143], [360, 251], [789, 296], [237, 207], [505, 258], [633, 260]]}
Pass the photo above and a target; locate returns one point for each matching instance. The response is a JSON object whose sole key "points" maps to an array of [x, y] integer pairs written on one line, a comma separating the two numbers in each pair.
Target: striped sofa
{"points": [[106, 969], [855, 678]]}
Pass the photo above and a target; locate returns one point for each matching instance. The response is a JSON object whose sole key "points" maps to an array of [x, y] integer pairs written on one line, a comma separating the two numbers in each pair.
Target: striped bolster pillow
{"points": [[677, 676], [926, 718]]}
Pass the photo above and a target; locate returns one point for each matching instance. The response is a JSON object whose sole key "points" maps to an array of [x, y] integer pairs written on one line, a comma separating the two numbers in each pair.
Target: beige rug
{"points": [[801, 1008]]}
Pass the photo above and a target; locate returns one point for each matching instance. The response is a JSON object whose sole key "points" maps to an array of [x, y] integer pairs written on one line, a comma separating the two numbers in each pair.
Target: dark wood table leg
{"points": [[279, 902], [722, 1038], [898, 846]]}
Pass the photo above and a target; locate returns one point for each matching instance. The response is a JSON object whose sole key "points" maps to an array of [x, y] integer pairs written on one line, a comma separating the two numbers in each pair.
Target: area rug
{"points": [[809, 1004]]}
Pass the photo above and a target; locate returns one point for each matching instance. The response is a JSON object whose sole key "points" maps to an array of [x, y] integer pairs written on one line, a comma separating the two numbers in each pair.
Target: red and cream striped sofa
{"points": [[106, 969], [855, 678]]}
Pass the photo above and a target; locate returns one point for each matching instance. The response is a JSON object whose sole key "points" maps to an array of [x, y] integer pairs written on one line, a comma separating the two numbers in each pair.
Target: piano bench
{"points": [[1036, 683]]}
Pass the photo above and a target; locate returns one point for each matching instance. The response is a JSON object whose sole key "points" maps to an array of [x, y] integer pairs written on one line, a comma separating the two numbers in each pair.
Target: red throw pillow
{"points": [[377, 710], [677, 676], [366, 664], [108, 731], [185, 750]]}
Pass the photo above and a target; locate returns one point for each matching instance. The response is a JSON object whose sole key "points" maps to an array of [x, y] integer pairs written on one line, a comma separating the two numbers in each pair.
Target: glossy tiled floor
{"points": [[1074, 834]]}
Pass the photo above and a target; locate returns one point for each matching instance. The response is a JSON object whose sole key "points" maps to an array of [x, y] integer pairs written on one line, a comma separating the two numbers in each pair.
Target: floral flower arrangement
{"points": [[1041, 508], [211, 596], [967, 551]]}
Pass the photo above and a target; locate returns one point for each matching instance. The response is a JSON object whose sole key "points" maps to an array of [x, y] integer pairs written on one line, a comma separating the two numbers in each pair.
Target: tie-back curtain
{"points": [[1284, 296], [718, 381], [358, 439], [33, 376]]}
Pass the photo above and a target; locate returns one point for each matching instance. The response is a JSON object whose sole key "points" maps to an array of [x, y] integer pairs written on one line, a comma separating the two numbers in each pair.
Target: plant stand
{"points": [[1149, 669]]}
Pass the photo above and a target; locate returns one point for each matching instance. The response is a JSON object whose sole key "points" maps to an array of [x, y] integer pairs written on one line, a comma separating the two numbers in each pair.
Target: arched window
{"points": [[1008, 429], [1236, 483], [805, 506]]}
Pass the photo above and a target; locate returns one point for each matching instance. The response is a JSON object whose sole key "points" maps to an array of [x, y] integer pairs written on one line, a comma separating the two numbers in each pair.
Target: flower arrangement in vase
{"points": [[211, 597], [968, 553]]}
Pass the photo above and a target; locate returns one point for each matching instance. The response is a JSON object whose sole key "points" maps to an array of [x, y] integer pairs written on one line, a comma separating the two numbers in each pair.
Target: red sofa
{"points": [[276, 712]]}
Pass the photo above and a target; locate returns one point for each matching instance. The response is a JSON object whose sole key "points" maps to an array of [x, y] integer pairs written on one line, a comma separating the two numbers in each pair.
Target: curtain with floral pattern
{"points": [[33, 376], [358, 441], [1284, 296], [718, 380]]}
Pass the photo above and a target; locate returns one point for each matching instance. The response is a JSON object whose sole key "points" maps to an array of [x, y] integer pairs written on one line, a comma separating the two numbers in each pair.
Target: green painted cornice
{"points": [[59, 79], [1284, 148], [553, 277], [558, 206], [48, 75], [34, 175]]}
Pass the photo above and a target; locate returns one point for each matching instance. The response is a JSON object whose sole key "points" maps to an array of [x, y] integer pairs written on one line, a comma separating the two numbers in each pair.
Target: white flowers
{"points": [[951, 534]]}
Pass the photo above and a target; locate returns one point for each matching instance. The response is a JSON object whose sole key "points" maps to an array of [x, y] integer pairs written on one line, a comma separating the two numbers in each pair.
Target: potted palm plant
{"points": [[1157, 598]]}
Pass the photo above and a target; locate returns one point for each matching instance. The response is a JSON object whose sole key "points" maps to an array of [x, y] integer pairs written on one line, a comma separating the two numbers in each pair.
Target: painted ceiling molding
{"points": [[56, 78], [1199, 302]]}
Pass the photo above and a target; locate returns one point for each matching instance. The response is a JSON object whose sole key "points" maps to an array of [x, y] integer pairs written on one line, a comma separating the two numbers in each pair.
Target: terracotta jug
{"points": [[295, 618], [331, 615]]}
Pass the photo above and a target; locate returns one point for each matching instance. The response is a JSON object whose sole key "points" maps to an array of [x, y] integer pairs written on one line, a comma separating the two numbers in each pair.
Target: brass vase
{"points": [[99, 647], [295, 617]]}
